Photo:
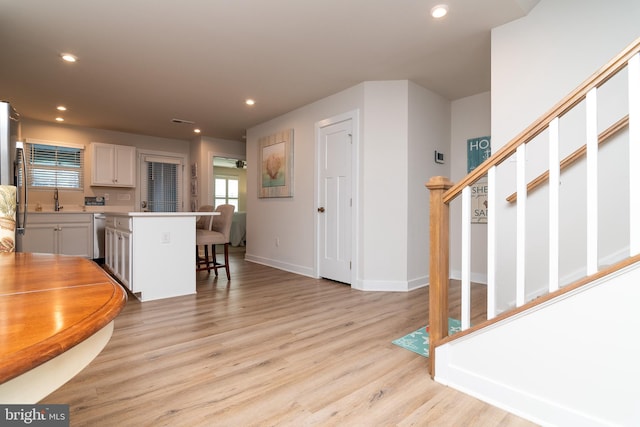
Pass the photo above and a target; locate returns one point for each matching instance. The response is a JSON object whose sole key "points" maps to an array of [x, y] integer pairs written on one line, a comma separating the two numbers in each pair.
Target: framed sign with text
{"points": [[478, 150]]}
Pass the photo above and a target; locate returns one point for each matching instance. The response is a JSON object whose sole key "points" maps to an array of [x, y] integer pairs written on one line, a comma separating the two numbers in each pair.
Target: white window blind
{"points": [[52, 165], [162, 186]]}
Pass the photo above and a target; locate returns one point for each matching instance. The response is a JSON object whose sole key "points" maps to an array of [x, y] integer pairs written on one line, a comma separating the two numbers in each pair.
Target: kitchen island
{"points": [[153, 253]]}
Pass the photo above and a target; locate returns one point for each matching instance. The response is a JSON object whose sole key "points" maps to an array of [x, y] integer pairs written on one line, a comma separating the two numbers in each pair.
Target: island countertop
{"points": [[48, 305], [161, 214]]}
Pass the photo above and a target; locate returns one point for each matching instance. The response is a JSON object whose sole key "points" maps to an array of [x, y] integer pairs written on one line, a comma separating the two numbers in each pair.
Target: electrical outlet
{"points": [[166, 237], [106, 197], [277, 242]]}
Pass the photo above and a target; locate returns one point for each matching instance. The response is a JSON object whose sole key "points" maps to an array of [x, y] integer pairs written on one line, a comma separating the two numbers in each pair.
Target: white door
{"points": [[334, 201]]}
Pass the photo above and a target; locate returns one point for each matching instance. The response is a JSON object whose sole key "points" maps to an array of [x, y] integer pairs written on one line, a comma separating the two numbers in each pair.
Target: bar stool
{"points": [[218, 234]]}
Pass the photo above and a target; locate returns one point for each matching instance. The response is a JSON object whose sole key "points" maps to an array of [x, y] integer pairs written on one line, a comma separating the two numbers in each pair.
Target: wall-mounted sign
{"points": [[478, 150], [479, 204]]}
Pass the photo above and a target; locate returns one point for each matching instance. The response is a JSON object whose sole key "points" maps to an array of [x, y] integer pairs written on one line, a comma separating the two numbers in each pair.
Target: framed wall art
{"points": [[194, 187], [276, 165]]}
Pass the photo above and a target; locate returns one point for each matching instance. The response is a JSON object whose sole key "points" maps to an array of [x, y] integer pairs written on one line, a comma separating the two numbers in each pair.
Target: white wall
{"points": [[401, 124], [536, 61], [385, 195], [82, 135], [540, 58], [551, 366], [470, 118], [291, 220], [429, 131]]}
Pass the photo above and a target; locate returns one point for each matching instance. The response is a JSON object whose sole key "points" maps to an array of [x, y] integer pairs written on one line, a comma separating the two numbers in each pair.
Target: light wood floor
{"points": [[268, 348]]}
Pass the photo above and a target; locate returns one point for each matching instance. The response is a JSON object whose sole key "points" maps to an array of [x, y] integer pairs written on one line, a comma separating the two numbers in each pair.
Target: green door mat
{"points": [[418, 341]]}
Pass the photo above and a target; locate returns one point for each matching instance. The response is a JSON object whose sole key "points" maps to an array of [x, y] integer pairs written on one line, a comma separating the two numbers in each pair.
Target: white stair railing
{"points": [[634, 153], [444, 192]]}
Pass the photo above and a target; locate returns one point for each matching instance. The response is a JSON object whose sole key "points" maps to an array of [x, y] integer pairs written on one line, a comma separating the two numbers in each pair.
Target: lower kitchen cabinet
{"points": [[59, 233]]}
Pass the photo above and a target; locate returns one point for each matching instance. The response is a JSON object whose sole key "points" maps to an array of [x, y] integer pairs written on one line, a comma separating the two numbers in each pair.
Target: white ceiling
{"points": [[145, 62]]}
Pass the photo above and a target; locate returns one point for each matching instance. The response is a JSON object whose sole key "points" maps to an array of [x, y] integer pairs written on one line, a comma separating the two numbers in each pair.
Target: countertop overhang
{"points": [[161, 214], [48, 305]]}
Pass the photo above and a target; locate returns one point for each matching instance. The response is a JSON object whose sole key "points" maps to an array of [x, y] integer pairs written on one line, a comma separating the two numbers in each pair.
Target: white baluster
{"points": [[491, 244], [634, 154], [592, 182], [554, 204], [521, 223], [466, 259]]}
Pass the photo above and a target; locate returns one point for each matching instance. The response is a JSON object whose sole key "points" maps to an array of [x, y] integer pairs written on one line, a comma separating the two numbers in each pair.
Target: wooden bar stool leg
{"points": [[215, 262], [206, 257], [226, 260]]}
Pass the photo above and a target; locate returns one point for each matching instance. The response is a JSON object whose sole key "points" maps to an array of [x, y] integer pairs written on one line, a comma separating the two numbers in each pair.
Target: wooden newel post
{"points": [[438, 265]]}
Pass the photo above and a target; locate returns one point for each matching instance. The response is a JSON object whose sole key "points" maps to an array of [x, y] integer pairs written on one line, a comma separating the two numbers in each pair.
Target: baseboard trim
{"points": [[291, 268]]}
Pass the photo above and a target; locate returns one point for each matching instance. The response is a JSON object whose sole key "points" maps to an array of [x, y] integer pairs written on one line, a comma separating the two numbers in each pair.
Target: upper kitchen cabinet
{"points": [[113, 165]]}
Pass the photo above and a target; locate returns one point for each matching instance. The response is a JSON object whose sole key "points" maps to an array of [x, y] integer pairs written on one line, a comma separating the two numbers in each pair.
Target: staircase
{"points": [[563, 351]]}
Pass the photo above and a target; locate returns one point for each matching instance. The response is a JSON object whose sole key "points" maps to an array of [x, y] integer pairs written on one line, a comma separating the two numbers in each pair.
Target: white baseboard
{"points": [[292, 268], [392, 285], [480, 278]]}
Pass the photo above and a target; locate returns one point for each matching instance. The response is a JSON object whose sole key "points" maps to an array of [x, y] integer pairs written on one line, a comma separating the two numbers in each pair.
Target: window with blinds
{"points": [[54, 166], [162, 186]]}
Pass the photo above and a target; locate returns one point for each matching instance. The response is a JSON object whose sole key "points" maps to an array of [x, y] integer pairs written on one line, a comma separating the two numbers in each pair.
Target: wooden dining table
{"points": [[56, 315]]}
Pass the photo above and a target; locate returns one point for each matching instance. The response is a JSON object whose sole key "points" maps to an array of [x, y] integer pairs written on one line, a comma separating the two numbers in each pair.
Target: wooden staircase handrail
{"points": [[567, 103], [573, 157]]}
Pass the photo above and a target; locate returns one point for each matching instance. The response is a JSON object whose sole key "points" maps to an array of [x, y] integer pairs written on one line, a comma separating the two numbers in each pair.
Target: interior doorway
{"points": [[337, 140], [229, 186]]}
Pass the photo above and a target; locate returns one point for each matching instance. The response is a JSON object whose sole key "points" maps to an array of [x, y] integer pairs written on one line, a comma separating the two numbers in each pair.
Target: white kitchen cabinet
{"points": [[113, 165], [59, 233]]}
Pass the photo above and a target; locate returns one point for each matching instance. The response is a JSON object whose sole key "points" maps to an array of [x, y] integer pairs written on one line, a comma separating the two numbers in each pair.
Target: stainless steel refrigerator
{"points": [[12, 166]]}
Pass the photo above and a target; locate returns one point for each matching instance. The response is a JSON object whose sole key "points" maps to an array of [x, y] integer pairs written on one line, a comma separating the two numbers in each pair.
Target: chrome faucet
{"points": [[56, 206]]}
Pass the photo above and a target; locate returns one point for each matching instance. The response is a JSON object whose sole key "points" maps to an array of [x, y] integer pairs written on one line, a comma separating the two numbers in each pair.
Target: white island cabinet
{"points": [[152, 253]]}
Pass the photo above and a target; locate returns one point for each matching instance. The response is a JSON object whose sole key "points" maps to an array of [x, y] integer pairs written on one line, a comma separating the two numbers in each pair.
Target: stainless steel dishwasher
{"points": [[99, 220]]}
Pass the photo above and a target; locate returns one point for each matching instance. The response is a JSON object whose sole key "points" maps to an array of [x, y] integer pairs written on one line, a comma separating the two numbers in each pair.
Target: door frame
{"points": [[140, 153], [354, 116], [209, 168]]}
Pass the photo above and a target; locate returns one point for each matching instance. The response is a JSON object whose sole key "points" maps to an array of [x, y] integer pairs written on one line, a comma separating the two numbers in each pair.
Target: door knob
{"points": [[321, 210]]}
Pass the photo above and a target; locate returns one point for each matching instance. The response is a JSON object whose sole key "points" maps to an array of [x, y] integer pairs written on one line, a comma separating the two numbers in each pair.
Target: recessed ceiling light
{"points": [[196, 130], [59, 119], [250, 102], [61, 108], [69, 57], [439, 11]]}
